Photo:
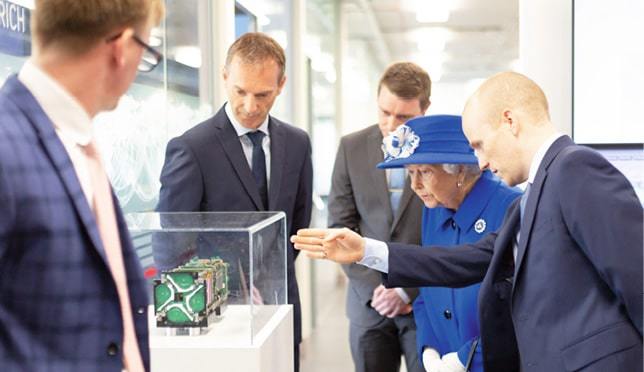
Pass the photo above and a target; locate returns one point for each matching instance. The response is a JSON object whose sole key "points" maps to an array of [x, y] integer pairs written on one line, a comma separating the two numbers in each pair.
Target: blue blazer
{"points": [[573, 300], [447, 318], [59, 309], [205, 170]]}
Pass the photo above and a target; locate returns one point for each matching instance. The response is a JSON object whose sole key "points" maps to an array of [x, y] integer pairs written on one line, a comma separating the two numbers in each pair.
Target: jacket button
{"points": [[140, 310], [447, 314], [112, 349], [453, 224]]}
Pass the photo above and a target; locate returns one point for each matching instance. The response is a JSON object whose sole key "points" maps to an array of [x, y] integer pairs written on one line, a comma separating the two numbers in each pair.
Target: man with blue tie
{"points": [[380, 204], [562, 277], [72, 292], [243, 159]]}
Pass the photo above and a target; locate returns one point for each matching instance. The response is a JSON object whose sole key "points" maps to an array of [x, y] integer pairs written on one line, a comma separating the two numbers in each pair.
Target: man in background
{"points": [[380, 204], [243, 159], [72, 293]]}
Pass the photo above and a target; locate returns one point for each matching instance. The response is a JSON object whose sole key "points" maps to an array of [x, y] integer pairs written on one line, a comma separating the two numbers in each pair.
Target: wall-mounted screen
{"points": [[608, 71], [629, 159]]}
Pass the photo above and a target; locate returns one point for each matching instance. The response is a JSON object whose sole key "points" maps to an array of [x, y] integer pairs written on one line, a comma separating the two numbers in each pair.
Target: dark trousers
{"points": [[296, 353], [379, 348]]}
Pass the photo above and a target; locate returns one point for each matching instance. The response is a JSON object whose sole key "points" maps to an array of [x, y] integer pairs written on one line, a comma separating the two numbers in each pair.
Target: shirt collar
{"points": [[68, 116], [540, 154], [240, 129]]}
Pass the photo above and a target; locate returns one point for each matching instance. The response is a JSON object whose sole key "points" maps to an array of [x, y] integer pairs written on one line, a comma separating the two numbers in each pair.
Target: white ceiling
{"points": [[482, 36]]}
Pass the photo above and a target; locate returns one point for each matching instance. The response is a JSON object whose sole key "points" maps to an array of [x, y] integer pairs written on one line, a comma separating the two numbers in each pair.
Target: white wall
{"points": [[361, 74], [545, 53]]}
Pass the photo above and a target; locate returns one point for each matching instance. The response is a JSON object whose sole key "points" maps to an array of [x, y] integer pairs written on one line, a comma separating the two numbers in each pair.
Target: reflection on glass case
{"points": [[198, 262]]}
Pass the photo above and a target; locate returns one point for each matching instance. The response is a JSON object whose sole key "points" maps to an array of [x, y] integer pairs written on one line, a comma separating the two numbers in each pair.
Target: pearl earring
{"points": [[459, 184]]}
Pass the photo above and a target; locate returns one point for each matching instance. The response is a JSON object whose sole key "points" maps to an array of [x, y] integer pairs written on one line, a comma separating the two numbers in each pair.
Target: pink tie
{"points": [[106, 220]]}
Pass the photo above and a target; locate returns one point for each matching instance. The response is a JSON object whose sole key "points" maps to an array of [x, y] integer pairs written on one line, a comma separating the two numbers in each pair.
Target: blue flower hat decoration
{"points": [[400, 143]]}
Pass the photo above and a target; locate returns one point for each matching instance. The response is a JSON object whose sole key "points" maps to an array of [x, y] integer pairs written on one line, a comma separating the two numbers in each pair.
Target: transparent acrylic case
{"points": [[252, 246]]}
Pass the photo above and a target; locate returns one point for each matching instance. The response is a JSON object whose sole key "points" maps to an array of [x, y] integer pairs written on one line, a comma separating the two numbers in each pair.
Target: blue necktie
{"points": [[524, 200], [259, 165], [396, 185]]}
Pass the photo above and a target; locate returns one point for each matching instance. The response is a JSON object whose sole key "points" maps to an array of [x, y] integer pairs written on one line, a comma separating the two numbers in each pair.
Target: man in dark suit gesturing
{"points": [[381, 205], [72, 293], [243, 159], [562, 277]]}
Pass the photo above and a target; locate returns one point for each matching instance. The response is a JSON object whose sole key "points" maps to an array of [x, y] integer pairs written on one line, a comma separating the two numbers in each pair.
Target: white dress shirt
{"points": [[247, 144], [71, 122]]}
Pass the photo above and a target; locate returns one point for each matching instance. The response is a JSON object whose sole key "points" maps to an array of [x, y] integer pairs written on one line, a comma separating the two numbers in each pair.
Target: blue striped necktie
{"points": [[524, 200], [396, 185]]}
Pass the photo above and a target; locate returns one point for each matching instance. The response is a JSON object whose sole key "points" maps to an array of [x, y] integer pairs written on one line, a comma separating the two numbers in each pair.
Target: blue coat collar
{"points": [[473, 204]]}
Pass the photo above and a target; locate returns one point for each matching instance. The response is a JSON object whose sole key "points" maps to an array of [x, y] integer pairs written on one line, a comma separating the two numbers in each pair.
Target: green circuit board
{"points": [[188, 295]]}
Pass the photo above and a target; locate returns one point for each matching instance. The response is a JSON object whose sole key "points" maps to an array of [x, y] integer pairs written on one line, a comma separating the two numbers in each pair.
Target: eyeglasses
{"points": [[150, 59]]}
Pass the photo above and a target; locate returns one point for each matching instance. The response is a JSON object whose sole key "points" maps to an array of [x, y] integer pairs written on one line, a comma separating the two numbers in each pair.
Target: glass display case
{"points": [[218, 274]]}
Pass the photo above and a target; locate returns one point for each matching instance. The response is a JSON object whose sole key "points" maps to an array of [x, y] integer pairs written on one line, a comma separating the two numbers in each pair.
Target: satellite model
{"points": [[188, 295]]}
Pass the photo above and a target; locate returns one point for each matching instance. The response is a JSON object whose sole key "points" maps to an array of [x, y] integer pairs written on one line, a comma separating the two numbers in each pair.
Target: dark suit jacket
{"points": [[573, 301], [59, 309], [205, 170], [359, 200]]}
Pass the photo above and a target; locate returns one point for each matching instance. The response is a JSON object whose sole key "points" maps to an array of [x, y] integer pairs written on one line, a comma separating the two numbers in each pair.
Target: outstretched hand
{"points": [[339, 245]]}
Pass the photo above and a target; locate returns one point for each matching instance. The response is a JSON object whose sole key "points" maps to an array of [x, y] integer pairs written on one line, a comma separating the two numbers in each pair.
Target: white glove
{"points": [[429, 357], [449, 362], [453, 363]]}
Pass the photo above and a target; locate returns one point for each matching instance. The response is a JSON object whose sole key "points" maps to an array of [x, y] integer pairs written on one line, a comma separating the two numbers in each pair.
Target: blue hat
{"points": [[436, 139]]}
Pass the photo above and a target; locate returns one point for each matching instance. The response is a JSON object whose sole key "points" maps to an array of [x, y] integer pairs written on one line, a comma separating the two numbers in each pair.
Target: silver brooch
{"points": [[400, 144], [479, 226]]}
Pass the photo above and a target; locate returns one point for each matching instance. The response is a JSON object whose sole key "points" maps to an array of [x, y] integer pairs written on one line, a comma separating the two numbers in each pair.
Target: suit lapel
{"points": [[59, 158], [533, 199], [278, 153], [379, 178], [505, 244], [233, 149]]}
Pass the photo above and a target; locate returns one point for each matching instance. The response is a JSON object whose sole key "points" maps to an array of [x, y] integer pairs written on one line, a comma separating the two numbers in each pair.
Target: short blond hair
{"points": [[513, 91], [256, 47], [76, 25], [407, 80]]}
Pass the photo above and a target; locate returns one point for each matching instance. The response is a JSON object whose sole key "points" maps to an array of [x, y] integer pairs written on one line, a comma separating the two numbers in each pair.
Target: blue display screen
{"points": [[629, 159], [15, 32]]}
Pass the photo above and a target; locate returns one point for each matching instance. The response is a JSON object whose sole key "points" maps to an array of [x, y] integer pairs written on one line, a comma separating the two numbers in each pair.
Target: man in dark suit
{"points": [[562, 277], [366, 199], [243, 159], [72, 293]]}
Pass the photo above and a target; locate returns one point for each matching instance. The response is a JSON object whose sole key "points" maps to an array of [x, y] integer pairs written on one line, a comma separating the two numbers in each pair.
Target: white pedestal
{"points": [[227, 345]]}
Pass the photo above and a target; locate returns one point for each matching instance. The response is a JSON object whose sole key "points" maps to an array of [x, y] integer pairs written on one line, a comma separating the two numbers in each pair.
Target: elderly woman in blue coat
{"points": [[462, 204]]}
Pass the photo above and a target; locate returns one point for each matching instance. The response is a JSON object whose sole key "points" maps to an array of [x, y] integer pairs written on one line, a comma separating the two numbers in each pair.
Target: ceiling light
{"points": [[431, 40], [434, 11]]}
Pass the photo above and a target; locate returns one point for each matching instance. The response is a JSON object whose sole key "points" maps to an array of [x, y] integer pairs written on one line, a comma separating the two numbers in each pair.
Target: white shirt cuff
{"points": [[376, 255], [403, 295]]}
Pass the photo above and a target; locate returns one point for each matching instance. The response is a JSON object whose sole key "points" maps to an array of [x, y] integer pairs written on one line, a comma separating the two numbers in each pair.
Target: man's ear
{"points": [[509, 121], [117, 47], [224, 73], [281, 84], [424, 109]]}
